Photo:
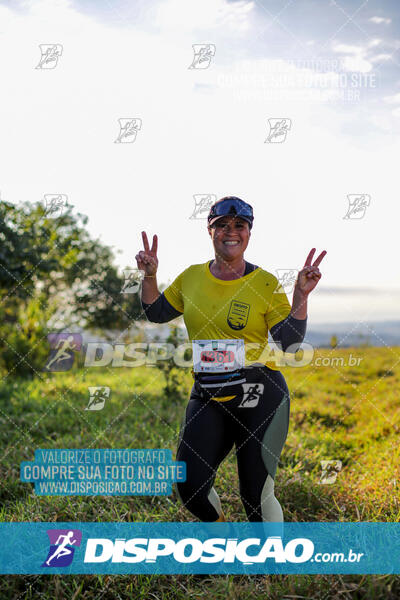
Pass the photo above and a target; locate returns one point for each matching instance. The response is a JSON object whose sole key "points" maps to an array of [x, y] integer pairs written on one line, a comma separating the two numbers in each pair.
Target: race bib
{"points": [[218, 356]]}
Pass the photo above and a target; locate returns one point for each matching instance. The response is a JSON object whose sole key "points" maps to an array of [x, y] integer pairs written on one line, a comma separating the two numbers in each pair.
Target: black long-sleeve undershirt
{"points": [[160, 311]]}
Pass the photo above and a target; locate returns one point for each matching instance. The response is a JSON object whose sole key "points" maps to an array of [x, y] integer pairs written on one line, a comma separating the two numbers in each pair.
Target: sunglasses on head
{"points": [[231, 207]]}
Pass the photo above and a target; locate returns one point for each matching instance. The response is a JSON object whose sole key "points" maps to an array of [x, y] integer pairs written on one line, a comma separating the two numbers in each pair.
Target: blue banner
{"points": [[218, 548]]}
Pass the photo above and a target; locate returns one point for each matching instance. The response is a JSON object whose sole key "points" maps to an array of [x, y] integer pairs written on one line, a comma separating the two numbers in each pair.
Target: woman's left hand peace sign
{"points": [[309, 275]]}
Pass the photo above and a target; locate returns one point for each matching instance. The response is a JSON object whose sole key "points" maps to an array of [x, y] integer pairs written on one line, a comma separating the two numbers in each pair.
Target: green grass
{"points": [[346, 413]]}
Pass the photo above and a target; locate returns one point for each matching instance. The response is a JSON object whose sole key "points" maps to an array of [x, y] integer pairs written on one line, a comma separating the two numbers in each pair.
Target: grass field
{"points": [[338, 412]]}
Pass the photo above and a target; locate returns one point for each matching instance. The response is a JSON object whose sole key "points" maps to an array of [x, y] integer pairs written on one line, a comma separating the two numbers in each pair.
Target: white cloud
{"points": [[362, 58], [357, 58], [375, 42], [378, 58], [380, 20], [208, 14], [382, 121], [357, 63], [392, 99], [395, 99], [347, 49]]}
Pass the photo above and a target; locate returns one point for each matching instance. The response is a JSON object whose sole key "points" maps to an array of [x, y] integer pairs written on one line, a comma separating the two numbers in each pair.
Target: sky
{"points": [[325, 71]]}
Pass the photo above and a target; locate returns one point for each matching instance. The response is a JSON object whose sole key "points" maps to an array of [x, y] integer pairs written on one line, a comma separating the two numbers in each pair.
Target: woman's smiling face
{"points": [[230, 236]]}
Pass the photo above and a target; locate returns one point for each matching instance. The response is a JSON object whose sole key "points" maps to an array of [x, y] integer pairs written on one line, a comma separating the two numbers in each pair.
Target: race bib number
{"points": [[216, 356]]}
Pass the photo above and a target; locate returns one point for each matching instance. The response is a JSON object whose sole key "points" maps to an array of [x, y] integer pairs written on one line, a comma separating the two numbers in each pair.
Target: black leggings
{"points": [[256, 420]]}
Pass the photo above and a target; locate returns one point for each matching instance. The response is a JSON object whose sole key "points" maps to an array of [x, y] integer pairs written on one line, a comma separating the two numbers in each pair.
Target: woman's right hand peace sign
{"points": [[147, 259]]}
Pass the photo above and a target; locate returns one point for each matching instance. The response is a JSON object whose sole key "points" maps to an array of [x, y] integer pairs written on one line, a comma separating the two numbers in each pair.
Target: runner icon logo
{"points": [[252, 394], [62, 348], [62, 542]]}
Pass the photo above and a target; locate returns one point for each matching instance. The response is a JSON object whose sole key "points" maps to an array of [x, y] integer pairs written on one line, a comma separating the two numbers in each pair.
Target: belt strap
{"points": [[221, 383]]}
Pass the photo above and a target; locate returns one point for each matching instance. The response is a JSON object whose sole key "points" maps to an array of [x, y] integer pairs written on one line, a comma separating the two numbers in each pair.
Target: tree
{"points": [[50, 267]]}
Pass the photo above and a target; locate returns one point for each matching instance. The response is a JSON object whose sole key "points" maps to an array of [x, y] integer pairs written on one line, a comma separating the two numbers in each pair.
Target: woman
{"points": [[238, 396]]}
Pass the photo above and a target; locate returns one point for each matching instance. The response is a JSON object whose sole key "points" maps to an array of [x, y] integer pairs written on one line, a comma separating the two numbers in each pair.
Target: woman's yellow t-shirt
{"points": [[244, 308]]}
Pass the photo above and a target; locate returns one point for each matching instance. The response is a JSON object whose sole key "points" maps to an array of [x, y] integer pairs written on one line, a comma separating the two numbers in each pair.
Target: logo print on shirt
{"points": [[238, 315], [252, 394]]}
